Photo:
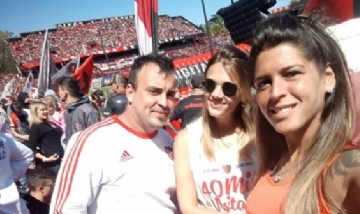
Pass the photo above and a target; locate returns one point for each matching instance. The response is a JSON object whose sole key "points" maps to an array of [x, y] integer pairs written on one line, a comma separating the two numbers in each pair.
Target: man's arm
{"points": [[79, 177], [20, 157]]}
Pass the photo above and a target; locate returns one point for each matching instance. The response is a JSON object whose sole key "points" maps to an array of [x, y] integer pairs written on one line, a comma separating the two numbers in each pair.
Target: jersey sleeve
{"points": [[79, 177], [20, 157]]}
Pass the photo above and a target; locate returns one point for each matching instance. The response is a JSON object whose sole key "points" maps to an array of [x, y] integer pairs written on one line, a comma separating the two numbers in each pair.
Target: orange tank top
{"points": [[269, 197]]}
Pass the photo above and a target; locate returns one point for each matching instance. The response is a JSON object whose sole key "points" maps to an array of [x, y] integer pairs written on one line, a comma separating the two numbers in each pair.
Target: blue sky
{"points": [[20, 16]]}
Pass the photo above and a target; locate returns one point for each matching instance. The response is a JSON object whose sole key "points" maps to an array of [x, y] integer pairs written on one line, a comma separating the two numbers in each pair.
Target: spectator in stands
{"points": [[45, 138], [97, 100], [3, 103], [190, 107], [79, 113], [116, 104], [15, 158], [41, 184], [110, 92], [24, 100], [55, 117], [102, 181], [52, 93], [20, 127]]}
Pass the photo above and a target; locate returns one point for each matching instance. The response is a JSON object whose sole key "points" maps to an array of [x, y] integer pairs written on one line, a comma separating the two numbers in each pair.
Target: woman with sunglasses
{"points": [[214, 154], [305, 120]]}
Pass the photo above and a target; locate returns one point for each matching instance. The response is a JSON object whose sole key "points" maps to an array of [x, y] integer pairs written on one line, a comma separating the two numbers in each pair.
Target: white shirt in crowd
{"points": [[224, 184], [110, 168], [15, 158]]}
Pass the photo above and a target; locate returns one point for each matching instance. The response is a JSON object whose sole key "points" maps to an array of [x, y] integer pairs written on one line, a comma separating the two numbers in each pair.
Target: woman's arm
{"points": [[185, 186], [352, 161]]}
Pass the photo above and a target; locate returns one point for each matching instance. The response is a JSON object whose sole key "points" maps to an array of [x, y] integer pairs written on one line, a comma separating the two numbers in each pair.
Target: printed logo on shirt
{"points": [[227, 168], [194, 105], [118, 101], [125, 156], [205, 171], [221, 192]]}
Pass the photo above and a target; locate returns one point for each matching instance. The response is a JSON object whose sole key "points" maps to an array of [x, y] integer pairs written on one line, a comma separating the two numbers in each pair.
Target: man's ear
{"points": [[329, 79], [130, 92]]}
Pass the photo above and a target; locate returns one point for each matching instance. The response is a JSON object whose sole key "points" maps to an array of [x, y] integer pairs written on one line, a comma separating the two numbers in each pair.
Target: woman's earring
{"points": [[330, 90]]}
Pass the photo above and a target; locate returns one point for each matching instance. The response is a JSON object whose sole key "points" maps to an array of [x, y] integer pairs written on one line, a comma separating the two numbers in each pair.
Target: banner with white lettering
{"points": [[184, 74], [106, 80]]}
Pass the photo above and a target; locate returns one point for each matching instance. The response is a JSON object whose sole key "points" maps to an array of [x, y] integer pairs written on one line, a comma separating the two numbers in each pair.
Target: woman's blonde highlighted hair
{"points": [[235, 62], [34, 119]]}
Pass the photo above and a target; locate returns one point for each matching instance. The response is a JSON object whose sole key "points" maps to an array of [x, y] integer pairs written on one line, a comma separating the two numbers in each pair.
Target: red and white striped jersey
{"points": [[110, 168]]}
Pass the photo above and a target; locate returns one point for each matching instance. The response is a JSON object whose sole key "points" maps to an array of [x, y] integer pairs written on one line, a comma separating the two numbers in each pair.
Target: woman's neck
{"points": [[226, 126], [298, 143]]}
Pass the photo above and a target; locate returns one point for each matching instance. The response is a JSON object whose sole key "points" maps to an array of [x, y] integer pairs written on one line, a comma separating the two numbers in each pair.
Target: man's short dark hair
{"points": [[16, 106], [36, 177], [119, 78], [165, 64], [97, 94], [71, 85]]}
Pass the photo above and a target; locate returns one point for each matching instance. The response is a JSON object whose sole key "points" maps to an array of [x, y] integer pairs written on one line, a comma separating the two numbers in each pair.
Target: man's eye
{"points": [[155, 92], [171, 94]]}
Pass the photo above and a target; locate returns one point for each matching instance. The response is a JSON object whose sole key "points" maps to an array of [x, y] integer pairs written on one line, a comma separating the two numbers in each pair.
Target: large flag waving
{"points": [[47, 67], [28, 83], [146, 24], [67, 71], [84, 74], [8, 88]]}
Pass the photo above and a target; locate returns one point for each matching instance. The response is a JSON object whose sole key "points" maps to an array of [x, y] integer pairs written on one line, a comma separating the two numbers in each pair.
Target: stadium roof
{"points": [[36, 32], [81, 22]]}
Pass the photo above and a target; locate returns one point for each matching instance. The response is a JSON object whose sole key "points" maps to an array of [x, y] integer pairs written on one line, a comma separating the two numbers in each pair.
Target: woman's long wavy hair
{"points": [[235, 62], [337, 117]]}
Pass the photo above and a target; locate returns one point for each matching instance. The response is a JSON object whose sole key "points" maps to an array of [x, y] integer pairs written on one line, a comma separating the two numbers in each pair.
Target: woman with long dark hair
{"points": [[307, 165]]}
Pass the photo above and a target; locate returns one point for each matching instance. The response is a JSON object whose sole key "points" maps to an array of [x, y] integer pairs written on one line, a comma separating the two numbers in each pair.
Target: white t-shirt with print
{"points": [[224, 184]]}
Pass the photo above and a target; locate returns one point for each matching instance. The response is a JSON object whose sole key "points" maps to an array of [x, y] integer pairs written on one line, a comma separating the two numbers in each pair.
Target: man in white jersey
{"points": [[123, 164]]}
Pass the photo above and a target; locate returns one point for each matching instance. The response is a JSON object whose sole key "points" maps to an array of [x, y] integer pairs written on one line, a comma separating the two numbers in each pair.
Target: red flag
{"points": [[84, 74], [338, 10], [146, 25]]}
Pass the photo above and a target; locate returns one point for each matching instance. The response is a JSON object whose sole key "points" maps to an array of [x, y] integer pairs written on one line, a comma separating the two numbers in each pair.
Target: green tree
{"points": [[7, 63], [216, 25]]}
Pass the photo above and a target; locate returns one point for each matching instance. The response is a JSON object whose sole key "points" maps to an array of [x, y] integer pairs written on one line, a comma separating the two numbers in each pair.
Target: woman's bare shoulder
{"points": [[347, 165]]}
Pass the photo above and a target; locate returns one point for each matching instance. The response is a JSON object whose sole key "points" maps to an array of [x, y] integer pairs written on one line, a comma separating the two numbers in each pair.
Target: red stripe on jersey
{"points": [[71, 162]]}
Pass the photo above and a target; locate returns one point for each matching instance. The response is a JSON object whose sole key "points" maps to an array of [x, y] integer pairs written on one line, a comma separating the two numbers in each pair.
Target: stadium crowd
{"points": [[96, 35]]}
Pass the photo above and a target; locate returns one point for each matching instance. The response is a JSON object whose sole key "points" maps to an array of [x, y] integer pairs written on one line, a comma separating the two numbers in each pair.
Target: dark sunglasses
{"points": [[229, 89]]}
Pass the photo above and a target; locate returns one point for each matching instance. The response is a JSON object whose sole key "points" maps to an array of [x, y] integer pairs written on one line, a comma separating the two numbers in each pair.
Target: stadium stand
{"points": [[178, 38], [114, 34]]}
